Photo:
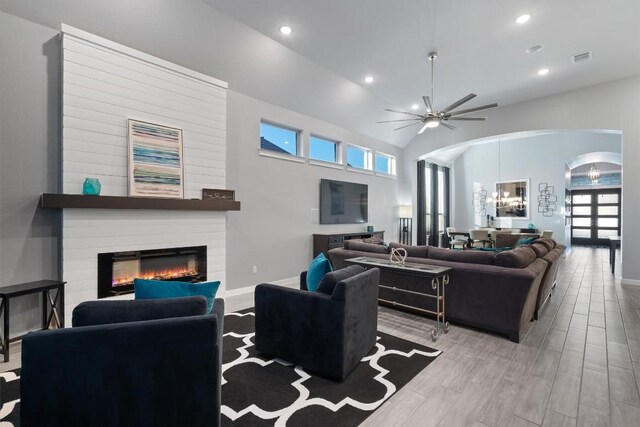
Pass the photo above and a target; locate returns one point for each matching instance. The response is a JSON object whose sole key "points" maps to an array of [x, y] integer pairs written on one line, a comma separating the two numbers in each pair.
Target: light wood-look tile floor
{"points": [[579, 364]]}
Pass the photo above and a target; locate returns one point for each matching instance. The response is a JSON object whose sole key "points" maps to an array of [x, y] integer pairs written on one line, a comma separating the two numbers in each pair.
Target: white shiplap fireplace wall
{"points": [[104, 84]]}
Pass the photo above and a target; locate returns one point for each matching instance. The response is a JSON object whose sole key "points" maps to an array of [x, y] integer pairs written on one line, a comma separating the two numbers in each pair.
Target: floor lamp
{"points": [[404, 232]]}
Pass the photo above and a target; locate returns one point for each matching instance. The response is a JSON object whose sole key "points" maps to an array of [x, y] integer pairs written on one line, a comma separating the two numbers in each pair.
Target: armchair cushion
{"points": [[330, 280], [107, 312], [150, 289]]}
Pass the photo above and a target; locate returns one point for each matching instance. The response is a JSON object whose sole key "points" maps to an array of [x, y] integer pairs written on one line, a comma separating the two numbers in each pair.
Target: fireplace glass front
{"points": [[117, 270]]}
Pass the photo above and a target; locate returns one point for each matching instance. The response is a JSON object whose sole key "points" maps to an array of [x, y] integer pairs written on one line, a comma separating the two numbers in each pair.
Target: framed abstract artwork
{"points": [[155, 160]]}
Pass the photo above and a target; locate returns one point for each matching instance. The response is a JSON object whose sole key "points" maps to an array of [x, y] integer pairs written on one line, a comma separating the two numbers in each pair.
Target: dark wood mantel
{"points": [[79, 201]]}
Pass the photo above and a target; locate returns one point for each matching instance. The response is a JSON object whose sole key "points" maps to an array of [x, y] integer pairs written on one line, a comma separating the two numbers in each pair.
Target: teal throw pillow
{"points": [[525, 240], [318, 268], [151, 289]]}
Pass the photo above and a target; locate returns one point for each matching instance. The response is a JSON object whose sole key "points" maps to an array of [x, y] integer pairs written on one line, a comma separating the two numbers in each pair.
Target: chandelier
{"points": [[594, 173], [504, 201]]}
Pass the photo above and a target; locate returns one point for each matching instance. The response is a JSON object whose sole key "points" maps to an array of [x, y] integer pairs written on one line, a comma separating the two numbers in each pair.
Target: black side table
{"points": [[49, 302]]}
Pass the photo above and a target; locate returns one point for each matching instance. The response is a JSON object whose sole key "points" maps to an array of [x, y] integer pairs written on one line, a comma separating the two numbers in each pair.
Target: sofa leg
{"points": [[535, 315], [514, 337]]}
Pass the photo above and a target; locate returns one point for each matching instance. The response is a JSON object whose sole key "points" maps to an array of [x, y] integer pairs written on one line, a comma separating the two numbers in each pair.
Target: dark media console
{"points": [[323, 242]]}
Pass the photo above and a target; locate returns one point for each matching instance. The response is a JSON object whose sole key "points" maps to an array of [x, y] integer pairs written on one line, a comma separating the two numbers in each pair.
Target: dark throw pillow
{"points": [[519, 257], [365, 247], [468, 256], [412, 251], [540, 249]]}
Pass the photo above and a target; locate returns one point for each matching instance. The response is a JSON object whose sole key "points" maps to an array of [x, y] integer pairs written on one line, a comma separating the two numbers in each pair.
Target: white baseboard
{"points": [[291, 282], [633, 282]]}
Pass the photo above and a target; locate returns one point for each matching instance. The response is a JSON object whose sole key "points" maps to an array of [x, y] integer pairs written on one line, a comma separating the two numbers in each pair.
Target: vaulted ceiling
{"points": [[481, 48]]}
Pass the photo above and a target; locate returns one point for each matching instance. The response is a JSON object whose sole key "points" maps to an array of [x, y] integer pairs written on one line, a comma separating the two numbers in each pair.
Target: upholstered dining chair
{"points": [[455, 241], [547, 233], [480, 237]]}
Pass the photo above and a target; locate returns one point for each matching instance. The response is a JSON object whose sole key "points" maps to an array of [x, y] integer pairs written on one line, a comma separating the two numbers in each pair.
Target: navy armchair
{"points": [[325, 334], [126, 363]]}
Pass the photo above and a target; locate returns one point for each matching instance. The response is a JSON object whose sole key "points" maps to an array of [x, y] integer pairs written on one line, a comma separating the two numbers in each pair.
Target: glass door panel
{"points": [[595, 216], [608, 210], [582, 210]]}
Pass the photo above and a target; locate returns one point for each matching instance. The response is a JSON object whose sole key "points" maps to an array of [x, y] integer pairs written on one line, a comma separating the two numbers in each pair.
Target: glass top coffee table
{"points": [[436, 276]]}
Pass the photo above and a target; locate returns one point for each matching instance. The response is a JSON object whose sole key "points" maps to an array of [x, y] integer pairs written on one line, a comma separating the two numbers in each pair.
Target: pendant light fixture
{"points": [[594, 173]]}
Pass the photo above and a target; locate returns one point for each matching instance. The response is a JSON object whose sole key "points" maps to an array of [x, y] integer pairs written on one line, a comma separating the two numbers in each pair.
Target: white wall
{"points": [[104, 85], [539, 158], [617, 107], [280, 198]]}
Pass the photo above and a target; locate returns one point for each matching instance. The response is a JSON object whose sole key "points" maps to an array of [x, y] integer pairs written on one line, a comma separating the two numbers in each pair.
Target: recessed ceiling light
{"points": [[543, 71], [286, 30], [523, 18], [534, 49], [368, 79], [415, 106]]}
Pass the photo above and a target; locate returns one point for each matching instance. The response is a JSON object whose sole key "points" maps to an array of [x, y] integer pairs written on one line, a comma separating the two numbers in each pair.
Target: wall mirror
{"points": [[513, 199]]}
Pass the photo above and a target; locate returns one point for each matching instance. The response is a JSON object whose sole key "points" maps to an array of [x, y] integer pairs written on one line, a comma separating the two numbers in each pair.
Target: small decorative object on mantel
{"points": [[369, 228], [214, 194], [546, 199], [91, 187], [155, 160], [398, 255]]}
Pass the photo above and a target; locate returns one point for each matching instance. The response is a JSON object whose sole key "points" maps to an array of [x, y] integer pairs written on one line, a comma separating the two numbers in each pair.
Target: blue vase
{"points": [[91, 187]]}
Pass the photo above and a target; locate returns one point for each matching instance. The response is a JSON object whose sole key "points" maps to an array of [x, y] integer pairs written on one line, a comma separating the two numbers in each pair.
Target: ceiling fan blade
{"points": [[406, 126], [402, 112], [448, 126], [459, 102], [427, 103], [467, 118], [399, 120], [471, 110]]}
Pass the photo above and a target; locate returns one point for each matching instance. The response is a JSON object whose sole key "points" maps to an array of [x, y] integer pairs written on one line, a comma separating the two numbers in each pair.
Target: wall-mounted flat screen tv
{"points": [[343, 202]]}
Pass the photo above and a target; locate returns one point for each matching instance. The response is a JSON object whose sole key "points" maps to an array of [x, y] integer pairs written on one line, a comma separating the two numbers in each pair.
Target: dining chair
{"points": [[547, 233], [480, 237], [453, 240]]}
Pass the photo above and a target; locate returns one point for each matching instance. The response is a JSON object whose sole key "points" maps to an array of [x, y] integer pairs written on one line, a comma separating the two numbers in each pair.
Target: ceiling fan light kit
{"points": [[432, 117]]}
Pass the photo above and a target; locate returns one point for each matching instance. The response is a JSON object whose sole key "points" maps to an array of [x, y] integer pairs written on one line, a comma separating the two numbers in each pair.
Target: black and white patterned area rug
{"points": [[258, 391]]}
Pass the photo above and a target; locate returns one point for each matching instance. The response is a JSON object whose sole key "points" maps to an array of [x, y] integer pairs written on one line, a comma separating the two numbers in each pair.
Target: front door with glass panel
{"points": [[595, 216]]}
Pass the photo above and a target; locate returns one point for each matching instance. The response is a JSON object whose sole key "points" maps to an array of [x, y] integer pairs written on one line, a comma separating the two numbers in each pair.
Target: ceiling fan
{"points": [[433, 118]]}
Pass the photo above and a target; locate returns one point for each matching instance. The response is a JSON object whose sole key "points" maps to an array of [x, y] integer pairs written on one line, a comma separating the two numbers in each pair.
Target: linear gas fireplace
{"points": [[116, 270]]}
